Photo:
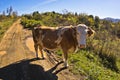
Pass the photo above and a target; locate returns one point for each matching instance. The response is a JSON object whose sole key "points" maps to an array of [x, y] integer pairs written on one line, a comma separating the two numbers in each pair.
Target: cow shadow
{"points": [[24, 70]]}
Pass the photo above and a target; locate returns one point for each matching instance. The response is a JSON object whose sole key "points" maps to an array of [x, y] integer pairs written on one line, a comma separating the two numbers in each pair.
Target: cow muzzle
{"points": [[81, 46]]}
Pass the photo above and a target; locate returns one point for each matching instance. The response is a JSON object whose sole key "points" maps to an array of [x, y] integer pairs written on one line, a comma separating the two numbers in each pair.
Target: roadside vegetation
{"points": [[6, 20], [100, 60]]}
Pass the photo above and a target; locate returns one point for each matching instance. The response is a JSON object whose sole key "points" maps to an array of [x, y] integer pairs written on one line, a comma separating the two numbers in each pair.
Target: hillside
{"points": [[99, 61], [112, 19]]}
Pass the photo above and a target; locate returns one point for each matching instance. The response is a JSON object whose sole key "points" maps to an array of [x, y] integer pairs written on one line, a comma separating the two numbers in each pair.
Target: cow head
{"points": [[82, 32]]}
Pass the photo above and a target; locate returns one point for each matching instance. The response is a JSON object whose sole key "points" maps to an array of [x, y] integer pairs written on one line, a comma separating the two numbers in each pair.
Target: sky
{"points": [[101, 8]]}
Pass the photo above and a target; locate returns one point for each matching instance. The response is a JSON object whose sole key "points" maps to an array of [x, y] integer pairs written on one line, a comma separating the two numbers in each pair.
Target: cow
{"points": [[68, 39]]}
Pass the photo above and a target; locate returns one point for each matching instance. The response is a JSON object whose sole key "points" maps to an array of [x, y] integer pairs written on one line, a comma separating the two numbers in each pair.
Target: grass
{"points": [[88, 64], [4, 25]]}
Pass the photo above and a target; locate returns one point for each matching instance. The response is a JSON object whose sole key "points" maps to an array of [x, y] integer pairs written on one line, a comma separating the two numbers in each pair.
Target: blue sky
{"points": [[101, 8]]}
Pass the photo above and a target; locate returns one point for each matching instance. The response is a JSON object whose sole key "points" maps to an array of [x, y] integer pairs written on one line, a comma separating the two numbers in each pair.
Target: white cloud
{"points": [[42, 4], [37, 6]]}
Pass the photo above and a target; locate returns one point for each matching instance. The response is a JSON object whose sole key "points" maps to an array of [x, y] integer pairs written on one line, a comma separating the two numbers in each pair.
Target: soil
{"points": [[18, 60]]}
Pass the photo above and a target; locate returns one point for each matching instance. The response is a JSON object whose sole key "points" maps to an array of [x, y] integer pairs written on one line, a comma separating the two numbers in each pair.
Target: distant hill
{"points": [[112, 19]]}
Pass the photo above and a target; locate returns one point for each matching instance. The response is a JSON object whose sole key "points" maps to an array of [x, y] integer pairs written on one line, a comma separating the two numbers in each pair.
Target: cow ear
{"points": [[90, 32]]}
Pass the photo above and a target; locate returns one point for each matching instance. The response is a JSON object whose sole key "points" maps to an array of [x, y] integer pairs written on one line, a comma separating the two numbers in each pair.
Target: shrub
{"points": [[30, 23]]}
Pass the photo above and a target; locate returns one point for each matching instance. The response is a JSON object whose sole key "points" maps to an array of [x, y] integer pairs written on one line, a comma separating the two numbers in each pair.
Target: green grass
{"points": [[4, 25], [88, 64]]}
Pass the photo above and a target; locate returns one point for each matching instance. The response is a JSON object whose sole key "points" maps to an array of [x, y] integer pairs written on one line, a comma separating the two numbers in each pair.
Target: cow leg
{"points": [[36, 50], [40, 48], [65, 56]]}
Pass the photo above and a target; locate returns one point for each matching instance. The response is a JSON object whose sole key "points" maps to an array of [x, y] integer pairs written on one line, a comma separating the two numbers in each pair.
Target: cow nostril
{"points": [[82, 46]]}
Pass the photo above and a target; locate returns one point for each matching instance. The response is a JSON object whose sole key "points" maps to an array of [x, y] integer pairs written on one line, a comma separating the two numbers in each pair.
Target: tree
{"points": [[83, 19], [3, 13], [7, 11], [10, 11], [97, 22], [14, 14], [36, 15], [76, 14], [90, 20]]}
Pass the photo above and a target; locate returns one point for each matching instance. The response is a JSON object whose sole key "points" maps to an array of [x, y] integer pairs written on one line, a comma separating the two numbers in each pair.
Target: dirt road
{"points": [[18, 62]]}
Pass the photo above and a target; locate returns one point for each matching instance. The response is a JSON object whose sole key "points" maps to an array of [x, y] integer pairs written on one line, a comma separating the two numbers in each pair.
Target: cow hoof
{"points": [[42, 58], [37, 58], [66, 65]]}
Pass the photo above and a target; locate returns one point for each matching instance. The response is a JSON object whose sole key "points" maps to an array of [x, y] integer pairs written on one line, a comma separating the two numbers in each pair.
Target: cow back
{"points": [[46, 37]]}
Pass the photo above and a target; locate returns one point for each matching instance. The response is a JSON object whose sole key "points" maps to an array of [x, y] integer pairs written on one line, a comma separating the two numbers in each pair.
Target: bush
{"points": [[30, 23]]}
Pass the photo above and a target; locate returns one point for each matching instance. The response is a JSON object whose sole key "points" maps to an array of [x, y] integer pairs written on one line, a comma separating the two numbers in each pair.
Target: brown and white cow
{"points": [[65, 38]]}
